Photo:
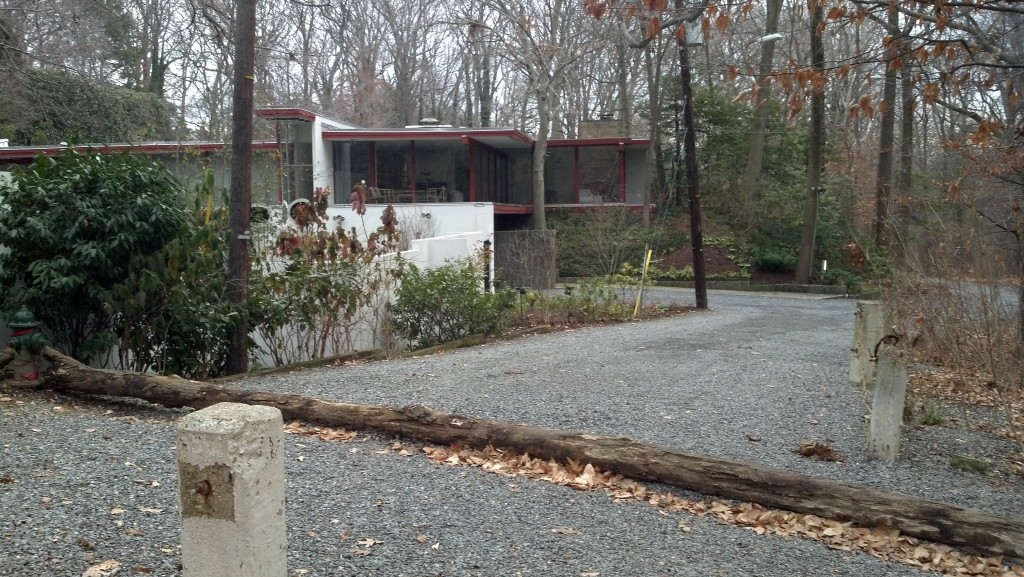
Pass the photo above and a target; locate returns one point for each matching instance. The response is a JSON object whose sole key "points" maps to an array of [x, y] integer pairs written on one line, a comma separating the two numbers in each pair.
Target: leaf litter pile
{"points": [[883, 542], [968, 389], [818, 451]]}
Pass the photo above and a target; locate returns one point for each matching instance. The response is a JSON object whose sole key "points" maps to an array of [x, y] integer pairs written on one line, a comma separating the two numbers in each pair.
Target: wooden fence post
{"points": [[868, 330], [231, 486], [890, 391]]}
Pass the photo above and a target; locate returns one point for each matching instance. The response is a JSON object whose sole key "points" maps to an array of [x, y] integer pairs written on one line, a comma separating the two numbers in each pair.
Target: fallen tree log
{"points": [[975, 530]]}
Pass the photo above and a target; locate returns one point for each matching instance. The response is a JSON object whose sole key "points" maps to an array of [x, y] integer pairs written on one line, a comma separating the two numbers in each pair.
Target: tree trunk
{"points": [[755, 160], [486, 92], [700, 284], [921, 518], [816, 146], [654, 156], [540, 150], [901, 226], [886, 144], [241, 182]]}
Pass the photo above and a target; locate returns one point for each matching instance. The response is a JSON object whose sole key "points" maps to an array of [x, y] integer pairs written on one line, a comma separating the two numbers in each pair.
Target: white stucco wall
{"points": [[323, 161], [445, 218]]}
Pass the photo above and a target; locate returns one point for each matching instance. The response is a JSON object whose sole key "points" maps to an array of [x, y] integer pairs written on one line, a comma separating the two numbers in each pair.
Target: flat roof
{"points": [[299, 114], [27, 153], [603, 141], [502, 138], [285, 114], [497, 137]]}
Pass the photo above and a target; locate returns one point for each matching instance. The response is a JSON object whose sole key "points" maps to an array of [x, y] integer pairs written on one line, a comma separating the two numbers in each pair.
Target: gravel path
{"points": [[83, 481]]}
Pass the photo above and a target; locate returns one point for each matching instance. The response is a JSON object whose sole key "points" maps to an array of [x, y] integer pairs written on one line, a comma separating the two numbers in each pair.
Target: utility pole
{"points": [[241, 183], [700, 284]]}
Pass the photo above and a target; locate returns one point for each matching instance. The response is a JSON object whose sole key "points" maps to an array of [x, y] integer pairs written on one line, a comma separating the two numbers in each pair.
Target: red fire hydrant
{"points": [[27, 341]]}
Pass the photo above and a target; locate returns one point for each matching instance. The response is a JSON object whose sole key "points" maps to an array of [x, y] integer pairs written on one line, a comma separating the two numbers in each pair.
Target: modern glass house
{"points": [[426, 163], [435, 163]]}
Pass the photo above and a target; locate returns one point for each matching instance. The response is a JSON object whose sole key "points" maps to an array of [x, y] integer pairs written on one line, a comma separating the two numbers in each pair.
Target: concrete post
{"points": [[231, 486], [887, 405], [868, 330]]}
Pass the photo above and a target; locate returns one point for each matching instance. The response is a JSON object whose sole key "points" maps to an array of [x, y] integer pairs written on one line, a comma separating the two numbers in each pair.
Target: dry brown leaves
{"points": [[325, 433], [883, 542], [819, 451], [967, 389]]}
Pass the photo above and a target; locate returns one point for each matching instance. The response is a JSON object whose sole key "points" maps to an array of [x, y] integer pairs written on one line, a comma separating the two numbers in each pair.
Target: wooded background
{"points": [[920, 100]]}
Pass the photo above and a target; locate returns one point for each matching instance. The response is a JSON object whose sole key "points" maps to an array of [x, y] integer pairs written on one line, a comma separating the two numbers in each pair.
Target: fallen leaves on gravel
{"points": [[818, 451], [884, 542], [970, 389], [103, 569], [365, 543], [324, 433]]}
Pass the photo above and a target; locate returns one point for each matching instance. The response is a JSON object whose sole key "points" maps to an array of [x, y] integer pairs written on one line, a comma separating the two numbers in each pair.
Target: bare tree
{"points": [[762, 95], [816, 145], [544, 40]]}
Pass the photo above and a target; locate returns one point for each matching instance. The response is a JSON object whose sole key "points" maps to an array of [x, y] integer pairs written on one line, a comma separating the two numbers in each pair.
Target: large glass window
{"points": [[492, 175], [560, 176], [351, 164], [297, 161], [521, 176], [599, 174], [441, 165], [393, 165]]}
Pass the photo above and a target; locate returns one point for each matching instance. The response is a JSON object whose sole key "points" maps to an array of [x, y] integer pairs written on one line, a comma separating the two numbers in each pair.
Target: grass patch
{"points": [[969, 464]]}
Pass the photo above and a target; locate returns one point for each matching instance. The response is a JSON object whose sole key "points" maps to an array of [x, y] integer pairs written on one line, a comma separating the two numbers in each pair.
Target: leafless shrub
{"points": [[526, 258], [597, 242], [414, 223], [958, 305]]}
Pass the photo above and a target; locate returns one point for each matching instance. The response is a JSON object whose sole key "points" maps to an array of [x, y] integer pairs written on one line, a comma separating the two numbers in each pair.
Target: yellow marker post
{"points": [[643, 278]]}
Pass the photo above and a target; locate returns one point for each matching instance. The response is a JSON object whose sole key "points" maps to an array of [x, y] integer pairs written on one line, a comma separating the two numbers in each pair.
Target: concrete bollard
{"points": [[868, 330], [231, 487], [887, 405]]}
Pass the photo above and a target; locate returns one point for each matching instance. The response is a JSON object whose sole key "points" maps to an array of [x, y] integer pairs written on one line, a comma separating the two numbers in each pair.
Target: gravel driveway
{"points": [[83, 481]]}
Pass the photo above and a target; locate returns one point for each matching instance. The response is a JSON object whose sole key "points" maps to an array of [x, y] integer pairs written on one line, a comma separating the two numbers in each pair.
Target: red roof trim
{"points": [[513, 209], [286, 114], [583, 208], [27, 153], [425, 134], [612, 141]]}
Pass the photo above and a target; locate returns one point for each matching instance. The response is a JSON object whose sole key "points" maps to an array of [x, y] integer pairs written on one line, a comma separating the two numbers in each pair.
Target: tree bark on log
{"points": [[929, 520]]}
